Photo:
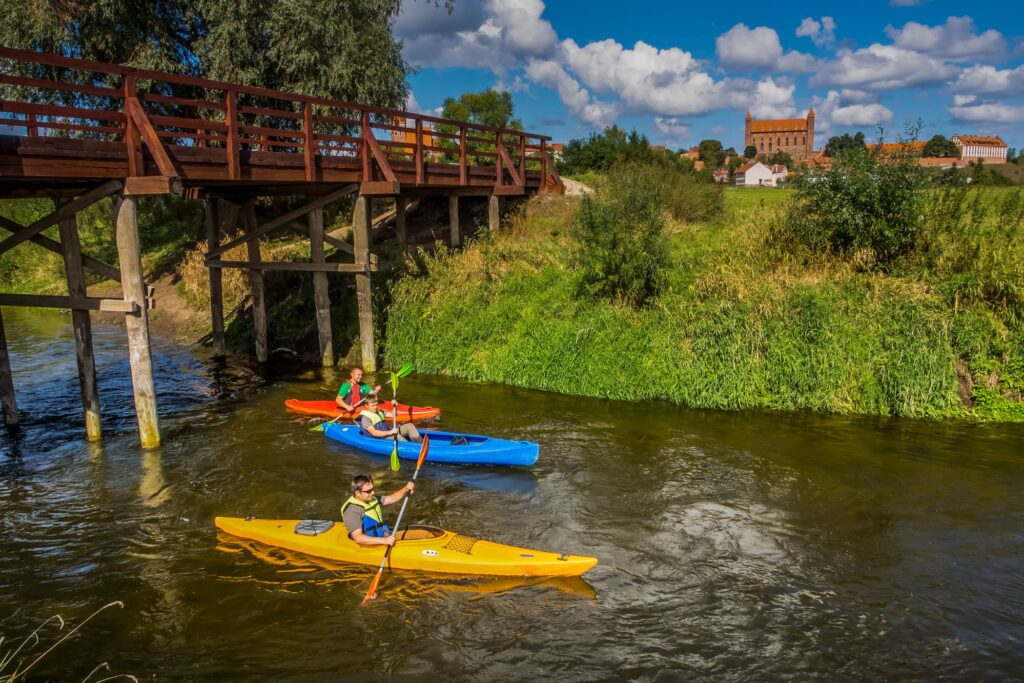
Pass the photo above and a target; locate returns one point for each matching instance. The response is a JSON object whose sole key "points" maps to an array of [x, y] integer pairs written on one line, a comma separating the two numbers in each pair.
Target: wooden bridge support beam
{"points": [[75, 270], [212, 223], [494, 213], [364, 294], [321, 298], [453, 219], [400, 229], [259, 299], [7, 401], [139, 356]]}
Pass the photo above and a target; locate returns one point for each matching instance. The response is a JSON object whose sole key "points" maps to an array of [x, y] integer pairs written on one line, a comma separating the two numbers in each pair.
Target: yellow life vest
{"points": [[373, 518]]}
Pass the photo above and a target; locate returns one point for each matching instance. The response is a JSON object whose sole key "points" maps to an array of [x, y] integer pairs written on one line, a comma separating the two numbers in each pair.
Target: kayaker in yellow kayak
{"points": [[362, 512], [374, 422], [354, 390]]}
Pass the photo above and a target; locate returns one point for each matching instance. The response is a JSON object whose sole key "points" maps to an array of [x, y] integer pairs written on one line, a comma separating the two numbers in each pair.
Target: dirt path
{"points": [[172, 317]]}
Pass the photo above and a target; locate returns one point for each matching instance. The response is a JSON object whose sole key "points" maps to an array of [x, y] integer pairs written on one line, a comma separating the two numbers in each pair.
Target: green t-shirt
{"points": [[346, 388]]}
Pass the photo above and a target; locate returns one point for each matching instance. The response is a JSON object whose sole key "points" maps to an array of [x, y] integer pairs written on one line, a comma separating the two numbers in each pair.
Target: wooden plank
{"points": [[509, 166], [419, 152], [509, 190], [139, 358], [309, 150], [379, 156], [152, 184], [60, 110], [69, 209], [494, 213], [7, 397], [462, 155], [156, 148], [336, 243], [82, 326], [45, 242], [259, 299], [132, 139], [364, 294], [321, 299], [211, 222], [49, 84], [297, 266], [453, 219], [380, 188], [68, 302], [231, 118], [318, 203]]}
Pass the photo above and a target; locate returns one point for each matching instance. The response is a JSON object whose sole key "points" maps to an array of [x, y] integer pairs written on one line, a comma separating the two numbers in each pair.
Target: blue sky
{"points": [[682, 72]]}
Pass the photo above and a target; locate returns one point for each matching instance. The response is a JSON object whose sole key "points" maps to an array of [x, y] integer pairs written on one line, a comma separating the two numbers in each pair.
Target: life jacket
{"points": [[375, 417], [355, 393], [373, 519]]}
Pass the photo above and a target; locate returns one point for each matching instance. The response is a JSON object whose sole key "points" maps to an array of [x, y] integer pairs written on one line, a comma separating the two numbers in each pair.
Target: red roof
{"points": [[982, 140]]}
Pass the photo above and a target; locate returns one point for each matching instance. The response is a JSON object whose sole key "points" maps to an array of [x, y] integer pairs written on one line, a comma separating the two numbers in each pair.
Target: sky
{"points": [[681, 72]]}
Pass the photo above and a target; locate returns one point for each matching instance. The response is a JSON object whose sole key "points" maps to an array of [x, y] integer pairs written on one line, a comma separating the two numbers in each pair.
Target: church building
{"points": [[793, 136]]}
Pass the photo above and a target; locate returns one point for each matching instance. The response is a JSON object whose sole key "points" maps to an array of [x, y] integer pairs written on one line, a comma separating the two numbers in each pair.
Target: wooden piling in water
{"points": [[453, 218], [321, 298], [212, 222], [7, 400], [364, 293], [139, 356], [259, 302], [75, 271]]}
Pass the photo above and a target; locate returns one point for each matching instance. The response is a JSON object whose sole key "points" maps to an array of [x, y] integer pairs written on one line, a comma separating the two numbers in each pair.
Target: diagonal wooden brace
{"points": [[70, 209], [509, 166], [156, 148]]}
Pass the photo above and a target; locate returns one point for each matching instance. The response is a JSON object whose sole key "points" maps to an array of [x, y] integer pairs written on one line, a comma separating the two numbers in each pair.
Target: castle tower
{"points": [[746, 133], [810, 132]]}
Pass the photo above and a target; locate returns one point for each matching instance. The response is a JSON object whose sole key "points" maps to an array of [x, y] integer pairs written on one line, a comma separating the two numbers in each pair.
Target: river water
{"points": [[732, 546]]}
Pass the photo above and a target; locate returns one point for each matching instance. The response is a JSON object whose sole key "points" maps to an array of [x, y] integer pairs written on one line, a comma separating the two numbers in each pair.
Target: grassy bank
{"points": [[737, 325]]}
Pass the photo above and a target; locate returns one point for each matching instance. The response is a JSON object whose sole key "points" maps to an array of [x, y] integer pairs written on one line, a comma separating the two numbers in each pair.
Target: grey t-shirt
{"points": [[353, 517]]}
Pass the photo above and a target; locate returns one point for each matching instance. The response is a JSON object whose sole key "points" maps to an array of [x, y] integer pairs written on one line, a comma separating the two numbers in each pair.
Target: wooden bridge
{"points": [[79, 131]]}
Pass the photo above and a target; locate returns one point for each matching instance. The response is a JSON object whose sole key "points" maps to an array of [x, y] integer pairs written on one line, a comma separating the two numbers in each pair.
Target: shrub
{"points": [[865, 201], [690, 199], [621, 245]]}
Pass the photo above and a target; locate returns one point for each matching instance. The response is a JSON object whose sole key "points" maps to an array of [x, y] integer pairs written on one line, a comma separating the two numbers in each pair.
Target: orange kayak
{"points": [[329, 409]]}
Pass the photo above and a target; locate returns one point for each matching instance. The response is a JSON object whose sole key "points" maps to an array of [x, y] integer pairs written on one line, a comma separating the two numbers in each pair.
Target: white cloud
{"points": [[988, 80], [573, 96], [906, 3], [772, 100], [498, 34], [988, 113], [821, 32], [742, 47], [962, 100], [833, 110], [517, 85], [882, 67], [956, 40], [671, 128]]}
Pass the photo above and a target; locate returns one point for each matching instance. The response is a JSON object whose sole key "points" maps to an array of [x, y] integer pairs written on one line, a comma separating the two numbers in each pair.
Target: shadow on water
{"points": [[732, 546]]}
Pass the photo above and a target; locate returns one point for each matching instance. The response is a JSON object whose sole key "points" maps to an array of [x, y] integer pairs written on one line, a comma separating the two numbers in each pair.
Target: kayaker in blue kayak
{"points": [[354, 390], [374, 421], [362, 512]]}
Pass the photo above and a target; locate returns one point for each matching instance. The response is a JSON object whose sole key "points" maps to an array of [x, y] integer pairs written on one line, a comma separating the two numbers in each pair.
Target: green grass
{"points": [[736, 327]]}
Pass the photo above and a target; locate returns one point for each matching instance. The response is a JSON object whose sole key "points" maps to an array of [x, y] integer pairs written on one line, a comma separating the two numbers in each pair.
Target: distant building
{"points": [[793, 136], [756, 174], [556, 150], [693, 153], [721, 176], [991, 149]]}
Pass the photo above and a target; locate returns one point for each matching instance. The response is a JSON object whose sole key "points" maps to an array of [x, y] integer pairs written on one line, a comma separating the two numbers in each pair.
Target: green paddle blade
{"points": [[394, 381], [405, 370], [394, 458]]}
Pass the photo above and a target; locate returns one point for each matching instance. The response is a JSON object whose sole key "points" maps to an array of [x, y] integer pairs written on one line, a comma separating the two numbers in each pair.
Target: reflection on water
{"points": [[733, 546]]}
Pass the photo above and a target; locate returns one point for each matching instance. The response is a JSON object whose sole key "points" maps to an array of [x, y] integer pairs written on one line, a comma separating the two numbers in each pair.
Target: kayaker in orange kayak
{"points": [[354, 390], [374, 422], [362, 512]]}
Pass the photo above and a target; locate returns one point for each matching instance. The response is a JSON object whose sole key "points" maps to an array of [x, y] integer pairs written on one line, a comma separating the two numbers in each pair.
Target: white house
{"points": [[991, 149], [756, 174]]}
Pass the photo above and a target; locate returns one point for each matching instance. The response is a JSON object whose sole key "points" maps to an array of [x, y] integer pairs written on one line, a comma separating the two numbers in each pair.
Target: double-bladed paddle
{"points": [[372, 592], [403, 371]]}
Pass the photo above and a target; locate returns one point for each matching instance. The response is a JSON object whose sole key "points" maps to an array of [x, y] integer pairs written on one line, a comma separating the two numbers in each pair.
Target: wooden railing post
{"points": [[364, 146], [10, 406], [543, 164], [259, 298], [522, 158], [231, 118], [309, 141], [33, 131], [200, 141], [499, 176], [463, 171], [213, 218], [361, 240], [419, 152], [132, 138]]}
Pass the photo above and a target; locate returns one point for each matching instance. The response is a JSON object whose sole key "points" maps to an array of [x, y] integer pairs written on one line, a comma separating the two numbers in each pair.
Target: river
{"points": [[732, 546]]}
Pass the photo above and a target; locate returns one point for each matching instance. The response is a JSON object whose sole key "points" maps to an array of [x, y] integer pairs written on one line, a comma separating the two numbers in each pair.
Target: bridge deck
{"points": [[71, 123]]}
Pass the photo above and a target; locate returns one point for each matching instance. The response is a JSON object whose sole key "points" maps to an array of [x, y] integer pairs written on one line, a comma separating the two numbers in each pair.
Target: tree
{"points": [[940, 146], [837, 144], [335, 49], [600, 151], [486, 108], [779, 158], [711, 153], [750, 152]]}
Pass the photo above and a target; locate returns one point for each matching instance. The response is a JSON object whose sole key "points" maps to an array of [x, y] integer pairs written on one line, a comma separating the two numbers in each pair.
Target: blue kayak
{"points": [[448, 447]]}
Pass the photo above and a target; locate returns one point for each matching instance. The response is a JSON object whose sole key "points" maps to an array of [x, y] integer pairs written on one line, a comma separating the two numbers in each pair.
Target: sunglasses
{"points": [[369, 490]]}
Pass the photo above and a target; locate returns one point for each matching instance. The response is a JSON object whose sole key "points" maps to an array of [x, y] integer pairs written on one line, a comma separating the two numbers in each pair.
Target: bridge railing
{"points": [[49, 95]]}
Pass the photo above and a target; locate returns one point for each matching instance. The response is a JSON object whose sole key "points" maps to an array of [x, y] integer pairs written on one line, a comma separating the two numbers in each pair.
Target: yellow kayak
{"points": [[419, 548]]}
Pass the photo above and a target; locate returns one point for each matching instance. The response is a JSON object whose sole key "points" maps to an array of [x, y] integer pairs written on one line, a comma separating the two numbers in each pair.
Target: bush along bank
{"points": [[758, 308]]}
